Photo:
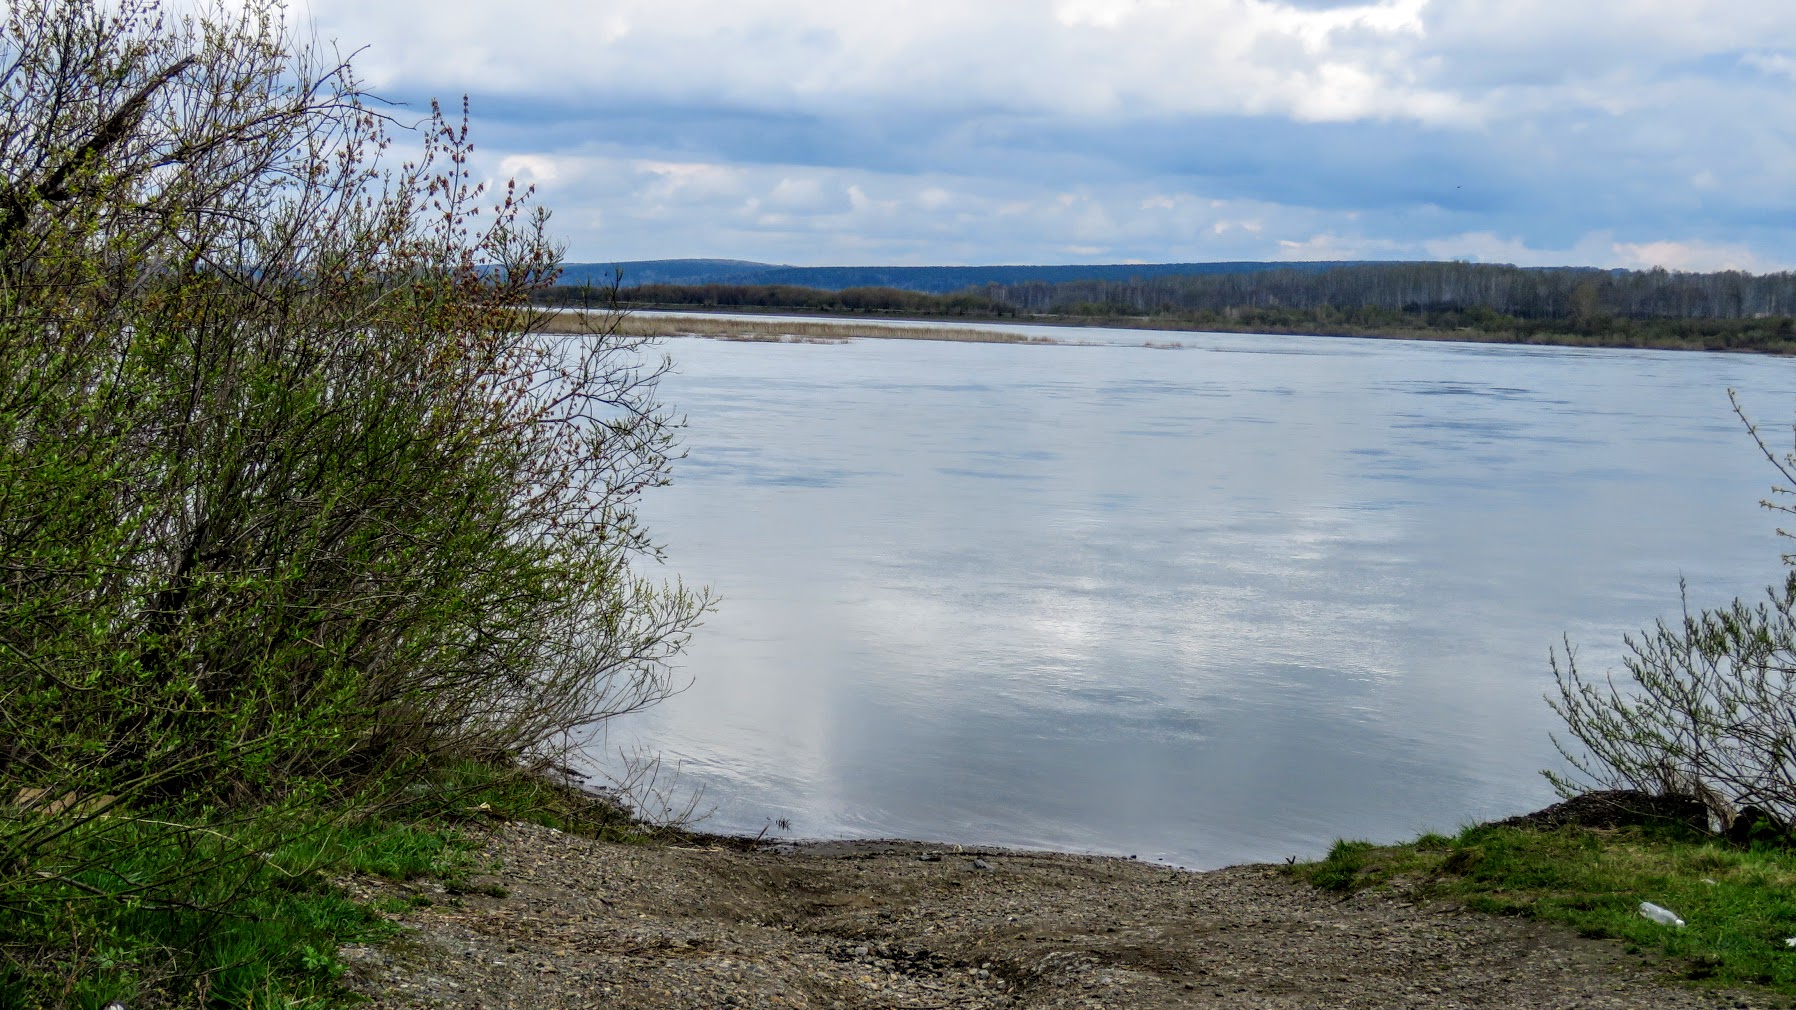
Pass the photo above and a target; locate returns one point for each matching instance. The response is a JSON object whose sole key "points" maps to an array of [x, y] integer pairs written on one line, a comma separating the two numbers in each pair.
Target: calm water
{"points": [[1204, 606]]}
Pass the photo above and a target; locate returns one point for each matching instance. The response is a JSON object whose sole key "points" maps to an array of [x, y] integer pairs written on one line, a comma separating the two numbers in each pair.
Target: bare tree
{"points": [[1707, 707]]}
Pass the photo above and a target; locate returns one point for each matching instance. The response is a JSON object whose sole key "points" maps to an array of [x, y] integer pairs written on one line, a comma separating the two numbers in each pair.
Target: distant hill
{"points": [[932, 280], [667, 272]]}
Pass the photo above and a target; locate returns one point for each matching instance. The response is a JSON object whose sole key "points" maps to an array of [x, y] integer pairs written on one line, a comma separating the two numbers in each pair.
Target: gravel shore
{"points": [[904, 926]]}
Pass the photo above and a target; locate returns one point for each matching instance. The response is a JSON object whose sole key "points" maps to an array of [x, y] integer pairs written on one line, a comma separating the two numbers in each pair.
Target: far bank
{"points": [[1760, 333]]}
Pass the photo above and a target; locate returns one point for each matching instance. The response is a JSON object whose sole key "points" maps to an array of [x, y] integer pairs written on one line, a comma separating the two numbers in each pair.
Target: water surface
{"points": [[1205, 606]]}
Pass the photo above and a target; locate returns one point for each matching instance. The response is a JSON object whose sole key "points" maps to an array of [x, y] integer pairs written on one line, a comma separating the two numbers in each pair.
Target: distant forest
{"points": [[939, 280], [1728, 310], [1425, 287]]}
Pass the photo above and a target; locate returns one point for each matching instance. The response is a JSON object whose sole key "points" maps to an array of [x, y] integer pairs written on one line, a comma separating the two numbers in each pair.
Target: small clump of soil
{"points": [[1616, 808], [904, 926]]}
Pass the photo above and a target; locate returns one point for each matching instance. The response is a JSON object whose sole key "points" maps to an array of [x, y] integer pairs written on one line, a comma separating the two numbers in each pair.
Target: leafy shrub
{"points": [[293, 497], [1708, 706]]}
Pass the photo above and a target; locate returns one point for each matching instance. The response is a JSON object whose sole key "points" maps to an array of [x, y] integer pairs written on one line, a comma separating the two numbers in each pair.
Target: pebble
{"points": [[864, 928]]}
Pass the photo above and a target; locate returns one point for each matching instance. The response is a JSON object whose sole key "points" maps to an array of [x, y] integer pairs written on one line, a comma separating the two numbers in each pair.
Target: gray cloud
{"points": [[1121, 129]]}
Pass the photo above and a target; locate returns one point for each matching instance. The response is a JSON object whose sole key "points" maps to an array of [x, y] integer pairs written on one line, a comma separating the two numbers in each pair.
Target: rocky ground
{"points": [[902, 926]]}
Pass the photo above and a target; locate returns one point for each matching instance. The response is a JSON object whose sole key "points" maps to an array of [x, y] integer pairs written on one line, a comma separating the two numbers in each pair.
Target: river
{"points": [[1217, 604]]}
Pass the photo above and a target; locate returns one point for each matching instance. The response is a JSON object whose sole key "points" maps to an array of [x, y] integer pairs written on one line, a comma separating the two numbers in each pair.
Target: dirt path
{"points": [[901, 926]]}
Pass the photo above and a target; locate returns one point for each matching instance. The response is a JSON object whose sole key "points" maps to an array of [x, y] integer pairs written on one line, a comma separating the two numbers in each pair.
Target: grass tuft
{"points": [[261, 929], [1739, 904]]}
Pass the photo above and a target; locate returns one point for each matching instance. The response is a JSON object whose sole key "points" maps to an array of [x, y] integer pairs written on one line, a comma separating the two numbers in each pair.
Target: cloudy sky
{"points": [[1604, 132]]}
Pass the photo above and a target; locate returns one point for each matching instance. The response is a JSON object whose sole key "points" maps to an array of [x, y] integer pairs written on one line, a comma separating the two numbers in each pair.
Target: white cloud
{"points": [[807, 194], [616, 207], [1687, 255], [1610, 132], [529, 168], [1094, 13], [1087, 57], [1488, 247], [689, 182], [801, 214], [1448, 62], [934, 198], [1775, 64], [1602, 249], [1331, 246]]}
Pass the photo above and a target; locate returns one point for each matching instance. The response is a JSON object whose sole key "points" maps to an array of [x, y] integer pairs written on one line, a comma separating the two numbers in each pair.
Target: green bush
{"points": [[1705, 709], [293, 499]]}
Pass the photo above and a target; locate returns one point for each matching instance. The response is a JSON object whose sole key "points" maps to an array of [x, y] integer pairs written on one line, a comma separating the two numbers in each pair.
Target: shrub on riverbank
{"points": [[295, 505], [1705, 707]]}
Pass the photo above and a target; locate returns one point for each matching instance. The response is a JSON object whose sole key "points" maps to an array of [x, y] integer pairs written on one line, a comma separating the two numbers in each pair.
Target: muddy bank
{"points": [[900, 926]]}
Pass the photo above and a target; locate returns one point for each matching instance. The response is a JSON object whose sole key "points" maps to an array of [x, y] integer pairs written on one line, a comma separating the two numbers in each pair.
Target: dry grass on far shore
{"points": [[775, 330]]}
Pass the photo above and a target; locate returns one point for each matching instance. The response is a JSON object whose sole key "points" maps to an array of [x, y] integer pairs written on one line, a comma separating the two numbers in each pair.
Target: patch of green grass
{"points": [[221, 926], [471, 792], [198, 909], [1344, 867], [1739, 905], [401, 851]]}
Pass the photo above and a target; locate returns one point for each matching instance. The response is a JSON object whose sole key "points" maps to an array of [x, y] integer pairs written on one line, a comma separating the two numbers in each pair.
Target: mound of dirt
{"points": [[1615, 808]]}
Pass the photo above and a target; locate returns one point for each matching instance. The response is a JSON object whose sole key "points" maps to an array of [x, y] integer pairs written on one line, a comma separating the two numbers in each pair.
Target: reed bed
{"points": [[775, 330]]}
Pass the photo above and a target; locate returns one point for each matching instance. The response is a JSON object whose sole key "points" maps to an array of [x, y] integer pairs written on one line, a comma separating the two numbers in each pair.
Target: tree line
{"points": [[1556, 293], [758, 297], [1723, 310], [1521, 293]]}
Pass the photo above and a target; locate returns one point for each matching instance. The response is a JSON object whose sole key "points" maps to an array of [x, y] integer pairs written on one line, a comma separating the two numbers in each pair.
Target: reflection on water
{"points": [[1210, 605]]}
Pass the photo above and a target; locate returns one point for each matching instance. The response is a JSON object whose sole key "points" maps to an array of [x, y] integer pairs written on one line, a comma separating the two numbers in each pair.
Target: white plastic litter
{"points": [[1657, 914], [1791, 942]]}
